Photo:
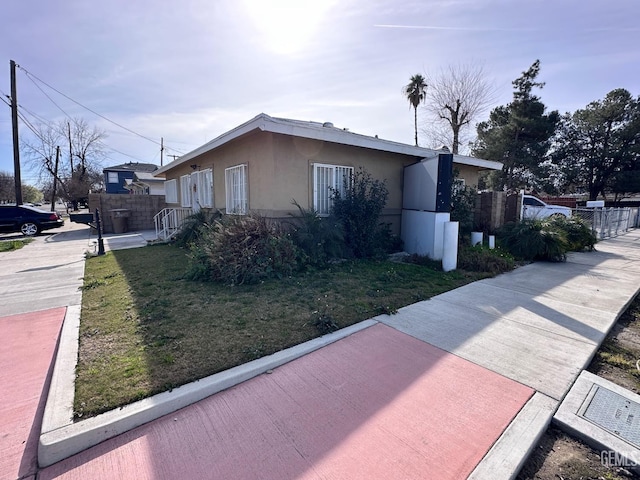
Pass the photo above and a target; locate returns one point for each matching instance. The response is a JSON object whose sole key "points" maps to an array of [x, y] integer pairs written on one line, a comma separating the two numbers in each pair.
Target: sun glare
{"points": [[286, 26]]}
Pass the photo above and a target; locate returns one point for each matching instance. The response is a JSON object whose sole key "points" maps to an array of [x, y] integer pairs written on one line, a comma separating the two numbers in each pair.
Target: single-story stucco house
{"points": [[266, 163]]}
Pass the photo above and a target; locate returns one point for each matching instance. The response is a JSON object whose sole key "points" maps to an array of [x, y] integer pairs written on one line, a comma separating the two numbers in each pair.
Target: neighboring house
{"points": [[115, 178], [266, 163], [144, 183]]}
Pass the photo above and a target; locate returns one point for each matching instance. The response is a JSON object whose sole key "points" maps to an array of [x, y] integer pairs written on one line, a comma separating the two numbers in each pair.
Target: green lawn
{"points": [[144, 329], [9, 245]]}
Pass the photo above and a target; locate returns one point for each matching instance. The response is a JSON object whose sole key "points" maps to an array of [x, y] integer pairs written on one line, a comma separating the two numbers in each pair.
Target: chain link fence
{"points": [[610, 222]]}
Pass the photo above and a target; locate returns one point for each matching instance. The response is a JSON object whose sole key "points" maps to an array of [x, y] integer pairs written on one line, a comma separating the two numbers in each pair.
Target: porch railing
{"points": [[168, 221]]}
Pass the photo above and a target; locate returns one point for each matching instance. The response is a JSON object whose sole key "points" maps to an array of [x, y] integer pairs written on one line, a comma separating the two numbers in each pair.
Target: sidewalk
{"points": [[459, 385]]}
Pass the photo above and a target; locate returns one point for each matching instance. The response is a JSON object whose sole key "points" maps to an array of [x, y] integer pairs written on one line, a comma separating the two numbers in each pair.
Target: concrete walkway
{"points": [[458, 386]]}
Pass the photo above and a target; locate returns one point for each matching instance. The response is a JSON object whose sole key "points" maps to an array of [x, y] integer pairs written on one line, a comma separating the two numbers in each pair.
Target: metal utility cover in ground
{"points": [[604, 415], [614, 413]]}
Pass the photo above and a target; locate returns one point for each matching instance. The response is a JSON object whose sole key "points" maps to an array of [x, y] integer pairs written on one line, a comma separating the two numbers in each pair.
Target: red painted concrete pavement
{"points": [[376, 405], [26, 356]]}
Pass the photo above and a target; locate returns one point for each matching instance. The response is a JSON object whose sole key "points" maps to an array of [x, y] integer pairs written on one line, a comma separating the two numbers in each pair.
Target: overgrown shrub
{"points": [[577, 231], [244, 249], [194, 227], [531, 239], [199, 266], [547, 239], [358, 209], [320, 238], [463, 205], [386, 241], [483, 259]]}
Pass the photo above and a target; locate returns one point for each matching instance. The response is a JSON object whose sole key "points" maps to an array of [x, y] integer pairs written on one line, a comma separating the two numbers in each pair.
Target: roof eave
{"points": [[216, 142], [332, 134]]}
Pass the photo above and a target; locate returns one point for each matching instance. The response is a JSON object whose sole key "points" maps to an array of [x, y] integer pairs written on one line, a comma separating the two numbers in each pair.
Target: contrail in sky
{"points": [[476, 29], [471, 29]]}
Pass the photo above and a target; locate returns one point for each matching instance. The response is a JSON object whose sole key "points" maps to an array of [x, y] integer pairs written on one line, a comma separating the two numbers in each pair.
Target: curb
{"points": [[61, 438], [507, 456]]}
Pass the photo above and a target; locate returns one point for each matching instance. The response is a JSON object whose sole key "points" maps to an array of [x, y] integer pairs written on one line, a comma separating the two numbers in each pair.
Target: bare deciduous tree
{"points": [[81, 152], [457, 97]]}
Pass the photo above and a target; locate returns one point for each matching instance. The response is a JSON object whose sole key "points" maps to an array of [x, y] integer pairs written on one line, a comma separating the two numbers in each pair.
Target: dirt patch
{"points": [[559, 456]]}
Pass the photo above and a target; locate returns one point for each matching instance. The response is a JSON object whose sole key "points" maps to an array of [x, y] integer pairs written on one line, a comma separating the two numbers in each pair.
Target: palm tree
{"points": [[415, 92]]}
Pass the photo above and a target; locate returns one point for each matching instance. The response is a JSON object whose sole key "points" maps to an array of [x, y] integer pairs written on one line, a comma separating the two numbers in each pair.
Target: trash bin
{"points": [[119, 219]]}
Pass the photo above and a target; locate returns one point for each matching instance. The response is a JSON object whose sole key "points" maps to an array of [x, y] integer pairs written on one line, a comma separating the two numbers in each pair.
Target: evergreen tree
{"points": [[598, 147], [519, 135]]}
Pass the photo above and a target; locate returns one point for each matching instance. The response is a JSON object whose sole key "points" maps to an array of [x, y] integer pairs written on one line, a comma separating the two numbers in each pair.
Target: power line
{"points": [[45, 94], [5, 101], [49, 124], [38, 117], [29, 74], [30, 127]]}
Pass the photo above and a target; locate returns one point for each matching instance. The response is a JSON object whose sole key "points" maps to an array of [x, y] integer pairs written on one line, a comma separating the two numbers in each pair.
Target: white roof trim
{"points": [[316, 131]]}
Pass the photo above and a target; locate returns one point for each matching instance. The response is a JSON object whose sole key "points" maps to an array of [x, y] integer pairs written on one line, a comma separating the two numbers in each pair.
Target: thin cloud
{"points": [[491, 29], [465, 29]]}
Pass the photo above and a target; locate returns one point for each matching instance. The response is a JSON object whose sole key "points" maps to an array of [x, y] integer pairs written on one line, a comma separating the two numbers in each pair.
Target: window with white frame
{"points": [[171, 191], [205, 188], [235, 183], [326, 178], [185, 190], [112, 177]]}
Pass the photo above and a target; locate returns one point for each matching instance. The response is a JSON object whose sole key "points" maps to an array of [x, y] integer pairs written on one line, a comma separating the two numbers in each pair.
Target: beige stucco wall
{"points": [[468, 173], [280, 170]]}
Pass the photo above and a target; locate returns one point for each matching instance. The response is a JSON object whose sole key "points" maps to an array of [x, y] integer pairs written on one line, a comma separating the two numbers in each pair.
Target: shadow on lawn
{"points": [[181, 330]]}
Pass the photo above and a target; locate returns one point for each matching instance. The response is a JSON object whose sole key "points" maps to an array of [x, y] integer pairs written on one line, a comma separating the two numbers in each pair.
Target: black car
{"points": [[28, 220]]}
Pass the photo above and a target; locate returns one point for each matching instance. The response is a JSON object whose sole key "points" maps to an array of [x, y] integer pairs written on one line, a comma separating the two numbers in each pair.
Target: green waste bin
{"points": [[119, 219]]}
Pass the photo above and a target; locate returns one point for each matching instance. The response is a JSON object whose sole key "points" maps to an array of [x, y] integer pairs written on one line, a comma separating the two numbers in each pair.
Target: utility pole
{"points": [[55, 180], [14, 124], [70, 147], [161, 149]]}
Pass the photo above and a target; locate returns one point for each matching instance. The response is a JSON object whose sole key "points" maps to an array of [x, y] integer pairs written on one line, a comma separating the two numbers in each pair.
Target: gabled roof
{"points": [[147, 177], [132, 167], [325, 132]]}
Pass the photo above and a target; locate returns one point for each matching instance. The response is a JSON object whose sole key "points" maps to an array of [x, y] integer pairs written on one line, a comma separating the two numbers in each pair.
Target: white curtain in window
{"points": [[205, 188], [185, 190], [171, 191], [235, 179]]}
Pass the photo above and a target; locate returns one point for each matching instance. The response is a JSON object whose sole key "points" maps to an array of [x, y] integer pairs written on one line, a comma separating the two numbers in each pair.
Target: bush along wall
{"points": [[236, 249], [549, 239], [246, 249], [358, 208]]}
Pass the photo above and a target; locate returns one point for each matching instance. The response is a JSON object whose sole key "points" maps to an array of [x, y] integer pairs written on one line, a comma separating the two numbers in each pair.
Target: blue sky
{"points": [[191, 70]]}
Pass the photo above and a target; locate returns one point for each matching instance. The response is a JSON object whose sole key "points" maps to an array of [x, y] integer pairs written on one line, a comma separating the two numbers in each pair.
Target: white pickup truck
{"points": [[533, 207]]}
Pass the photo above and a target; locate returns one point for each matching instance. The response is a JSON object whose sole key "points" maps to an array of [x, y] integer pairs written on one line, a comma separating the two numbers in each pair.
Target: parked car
{"points": [[28, 220], [533, 207]]}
